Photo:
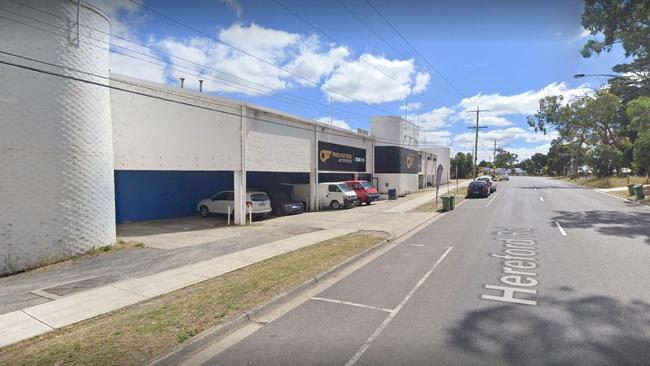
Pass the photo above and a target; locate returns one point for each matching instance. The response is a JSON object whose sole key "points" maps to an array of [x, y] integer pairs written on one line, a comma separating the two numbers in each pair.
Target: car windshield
{"points": [[257, 197], [366, 185], [344, 187]]}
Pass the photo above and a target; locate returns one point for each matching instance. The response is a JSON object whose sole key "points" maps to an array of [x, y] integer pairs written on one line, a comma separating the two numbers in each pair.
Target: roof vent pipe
{"points": [[200, 86], [182, 82]]}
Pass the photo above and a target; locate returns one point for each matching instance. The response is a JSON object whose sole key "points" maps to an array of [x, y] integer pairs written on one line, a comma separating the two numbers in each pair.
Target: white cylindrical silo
{"points": [[56, 150]]}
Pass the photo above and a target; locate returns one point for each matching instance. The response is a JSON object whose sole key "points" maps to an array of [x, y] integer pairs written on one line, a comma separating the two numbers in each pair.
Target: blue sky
{"points": [[502, 56]]}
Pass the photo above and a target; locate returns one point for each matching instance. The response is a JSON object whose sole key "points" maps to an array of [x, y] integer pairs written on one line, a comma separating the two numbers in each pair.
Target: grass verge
{"points": [[606, 182], [625, 194], [144, 331], [434, 205]]}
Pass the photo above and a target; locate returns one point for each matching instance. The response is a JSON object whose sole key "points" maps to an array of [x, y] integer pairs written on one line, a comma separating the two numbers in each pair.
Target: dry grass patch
{"points": [[144, 331]]}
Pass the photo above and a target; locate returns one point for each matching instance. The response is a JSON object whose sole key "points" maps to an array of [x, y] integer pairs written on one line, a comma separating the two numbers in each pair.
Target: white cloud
{"points": [[335, 122], [313, 64], [421, 82], [435, 138], [414, 106], [525, 103], [234, 5], [436, 118], [503, 136], [358, 81]]}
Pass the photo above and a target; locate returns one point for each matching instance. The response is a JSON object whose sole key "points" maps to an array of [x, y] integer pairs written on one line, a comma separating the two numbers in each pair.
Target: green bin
{"points": [[446, 203], [452, 204], [638, 192], [630, 189]]}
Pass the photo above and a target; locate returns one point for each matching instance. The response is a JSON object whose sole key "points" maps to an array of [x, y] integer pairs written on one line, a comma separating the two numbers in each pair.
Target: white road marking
{"points": [[493, 198], [351, 304], [560, 228], [416, 245], [541, 198], [385, 323]]}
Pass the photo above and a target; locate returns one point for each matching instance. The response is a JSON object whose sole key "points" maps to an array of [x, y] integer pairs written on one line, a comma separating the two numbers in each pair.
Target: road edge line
{"points": [[216, 333]]}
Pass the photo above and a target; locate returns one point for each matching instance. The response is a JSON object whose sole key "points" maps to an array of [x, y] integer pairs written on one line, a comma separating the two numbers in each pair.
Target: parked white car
{"points": [[258, 202]]}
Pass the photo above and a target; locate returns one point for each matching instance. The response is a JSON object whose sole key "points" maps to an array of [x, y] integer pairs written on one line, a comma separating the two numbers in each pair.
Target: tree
{"points": [[558, 158], [642, 154], [625, 23], [464, 163], [537, 165], [505, 159]]}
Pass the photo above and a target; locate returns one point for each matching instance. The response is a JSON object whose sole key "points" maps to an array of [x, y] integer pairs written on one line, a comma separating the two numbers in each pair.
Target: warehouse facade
{"points": [[99, 149]]}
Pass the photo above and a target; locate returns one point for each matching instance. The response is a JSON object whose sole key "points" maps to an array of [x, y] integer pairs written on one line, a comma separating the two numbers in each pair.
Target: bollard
{"points": [[250, 216], [228, 215]]}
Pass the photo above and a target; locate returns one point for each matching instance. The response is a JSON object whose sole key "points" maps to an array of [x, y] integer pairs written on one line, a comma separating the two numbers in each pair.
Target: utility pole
{"points": [[494, 155], [476, 128]]}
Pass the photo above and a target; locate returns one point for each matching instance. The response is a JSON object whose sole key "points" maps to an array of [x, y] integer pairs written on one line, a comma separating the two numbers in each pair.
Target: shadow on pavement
{"points": [[590, 330], [615, 223]]}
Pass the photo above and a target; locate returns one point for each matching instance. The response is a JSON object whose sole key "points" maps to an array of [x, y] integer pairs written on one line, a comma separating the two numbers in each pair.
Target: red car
{"points": [[364, 190]]}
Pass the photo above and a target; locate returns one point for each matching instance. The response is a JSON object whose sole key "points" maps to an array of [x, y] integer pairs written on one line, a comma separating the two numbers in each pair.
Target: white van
{"points": [[333, 194], [218, 204], [336, 195]]}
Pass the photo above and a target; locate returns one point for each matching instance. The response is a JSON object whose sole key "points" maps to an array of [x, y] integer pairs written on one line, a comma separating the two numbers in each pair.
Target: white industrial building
{"points": [[83, 150]]}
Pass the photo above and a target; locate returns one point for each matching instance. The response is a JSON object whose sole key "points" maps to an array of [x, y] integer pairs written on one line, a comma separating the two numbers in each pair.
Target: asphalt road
{"points": [[567, 271]]}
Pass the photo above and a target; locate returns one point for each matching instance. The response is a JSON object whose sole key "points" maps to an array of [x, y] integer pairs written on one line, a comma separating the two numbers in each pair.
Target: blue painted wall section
{"points": [[149, 195]]}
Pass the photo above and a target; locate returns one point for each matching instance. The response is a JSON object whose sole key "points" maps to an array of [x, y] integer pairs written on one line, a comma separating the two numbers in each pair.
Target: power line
{"points": [[222, 80], [381, 38], [42, 71], [249, 54], [414, 49]]}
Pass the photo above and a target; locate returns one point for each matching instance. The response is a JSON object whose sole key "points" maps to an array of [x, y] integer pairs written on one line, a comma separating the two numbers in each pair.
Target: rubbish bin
{"points": [[452, 203], [638, 192], [392, 194], [630, 189], [446, 203]]}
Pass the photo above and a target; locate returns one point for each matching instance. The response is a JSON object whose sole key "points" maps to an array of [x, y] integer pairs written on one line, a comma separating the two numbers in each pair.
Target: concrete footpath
{"points": [[54, 312], [39, 319]]}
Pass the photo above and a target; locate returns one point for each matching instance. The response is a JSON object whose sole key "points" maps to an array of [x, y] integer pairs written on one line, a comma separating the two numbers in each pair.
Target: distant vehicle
{"points": [[504, 177], [492, 184], [478, 188], [365, 192], [282, 204], [258, 202]]}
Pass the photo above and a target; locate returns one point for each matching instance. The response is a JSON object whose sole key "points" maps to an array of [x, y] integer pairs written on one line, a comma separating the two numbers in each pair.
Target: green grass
{"points": [[606, 182], [144, 331]]}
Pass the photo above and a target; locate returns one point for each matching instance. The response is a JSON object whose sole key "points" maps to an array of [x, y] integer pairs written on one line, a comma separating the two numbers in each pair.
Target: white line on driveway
{"points": [[560, 228], [351, 304], [541, 198], [385, 323], [492, 200], [416, 245]]}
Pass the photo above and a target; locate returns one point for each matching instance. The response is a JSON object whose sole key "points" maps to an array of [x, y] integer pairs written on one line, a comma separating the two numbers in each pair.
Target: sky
{"points": [[345, 61]]}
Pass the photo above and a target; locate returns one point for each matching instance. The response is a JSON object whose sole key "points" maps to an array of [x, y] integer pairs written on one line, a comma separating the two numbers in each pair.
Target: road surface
{"points": [[540, 273]]}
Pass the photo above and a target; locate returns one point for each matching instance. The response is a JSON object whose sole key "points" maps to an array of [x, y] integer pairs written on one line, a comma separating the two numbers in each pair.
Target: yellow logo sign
{"points": [[325, 155], [410, 159]]}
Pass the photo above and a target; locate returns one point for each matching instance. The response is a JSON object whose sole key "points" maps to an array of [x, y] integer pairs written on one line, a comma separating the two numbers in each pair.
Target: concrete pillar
{"points": [[313, 174], [239, 183], [239, 178]]}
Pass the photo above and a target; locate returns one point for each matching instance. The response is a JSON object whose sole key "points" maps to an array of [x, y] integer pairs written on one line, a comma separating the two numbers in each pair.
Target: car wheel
{"points": [[204, 211], [335, 205]]}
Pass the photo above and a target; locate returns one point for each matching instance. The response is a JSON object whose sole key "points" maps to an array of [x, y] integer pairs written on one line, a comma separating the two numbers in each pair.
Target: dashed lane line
{"points": [[541, 198], [395, 311], [492, 200], [560, 228], [352, 304]]}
